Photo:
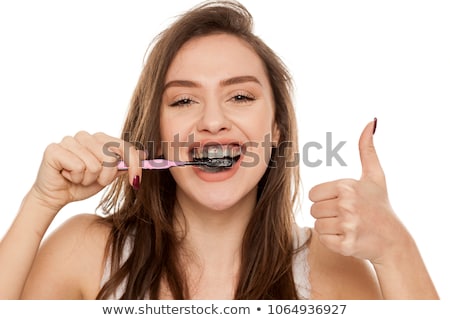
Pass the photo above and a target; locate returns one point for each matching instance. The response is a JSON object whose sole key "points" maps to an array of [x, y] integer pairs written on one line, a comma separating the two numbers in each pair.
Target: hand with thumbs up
{"points": [[354, 218]]}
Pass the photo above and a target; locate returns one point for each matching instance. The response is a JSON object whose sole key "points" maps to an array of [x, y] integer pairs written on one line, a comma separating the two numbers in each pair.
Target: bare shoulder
{"points": [[334, 276], [69, 264]]}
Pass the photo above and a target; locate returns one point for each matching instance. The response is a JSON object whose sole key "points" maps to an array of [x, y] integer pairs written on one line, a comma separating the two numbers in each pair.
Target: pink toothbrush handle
{"points": [[153, 164]]}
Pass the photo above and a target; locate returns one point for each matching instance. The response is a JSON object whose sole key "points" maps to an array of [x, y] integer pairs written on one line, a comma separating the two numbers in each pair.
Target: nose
{"points": [[213, 119]]}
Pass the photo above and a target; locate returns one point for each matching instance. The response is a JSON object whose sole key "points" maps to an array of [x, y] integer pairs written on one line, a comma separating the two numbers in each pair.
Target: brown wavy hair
{"points": [[146, 218]]}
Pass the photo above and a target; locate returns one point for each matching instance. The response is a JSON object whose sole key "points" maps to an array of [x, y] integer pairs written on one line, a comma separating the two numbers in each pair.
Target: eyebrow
{"points": [[223, 83]]}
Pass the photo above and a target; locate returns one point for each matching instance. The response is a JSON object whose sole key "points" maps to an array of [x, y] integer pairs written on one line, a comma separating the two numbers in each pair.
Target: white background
{"points": [[72, 65]]}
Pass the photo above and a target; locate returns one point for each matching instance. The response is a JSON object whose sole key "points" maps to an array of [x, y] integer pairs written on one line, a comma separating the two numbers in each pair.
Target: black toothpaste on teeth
{"points": [[215, 162]]}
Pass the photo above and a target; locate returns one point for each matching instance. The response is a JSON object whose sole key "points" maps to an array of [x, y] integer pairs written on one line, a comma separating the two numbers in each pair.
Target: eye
{"points": [[182, 102], [242, 98]]}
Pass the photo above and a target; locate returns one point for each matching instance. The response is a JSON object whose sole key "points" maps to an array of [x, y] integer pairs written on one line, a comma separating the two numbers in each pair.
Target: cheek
{"points": [[176, 137], [169, 127], [167, 135], [163, 126], [175, 123], [259, 149], [258, 129]]}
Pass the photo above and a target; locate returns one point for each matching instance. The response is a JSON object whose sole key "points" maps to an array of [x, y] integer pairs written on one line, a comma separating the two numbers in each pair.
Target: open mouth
{"points": [[217, 157]]}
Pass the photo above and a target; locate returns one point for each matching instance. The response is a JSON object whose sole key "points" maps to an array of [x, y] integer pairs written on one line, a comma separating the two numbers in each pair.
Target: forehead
{"points": [[216, 56]]}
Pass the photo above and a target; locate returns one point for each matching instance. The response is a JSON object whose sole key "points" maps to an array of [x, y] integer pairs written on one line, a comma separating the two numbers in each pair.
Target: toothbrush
{"points": [[166, 164]]}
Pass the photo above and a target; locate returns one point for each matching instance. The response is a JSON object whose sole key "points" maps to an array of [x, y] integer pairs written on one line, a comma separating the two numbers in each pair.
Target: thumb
{"points": [[371, 167]]}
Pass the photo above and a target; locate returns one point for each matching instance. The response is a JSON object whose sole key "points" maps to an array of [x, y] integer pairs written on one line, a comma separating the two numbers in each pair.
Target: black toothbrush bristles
{"points": [[215, 163]]}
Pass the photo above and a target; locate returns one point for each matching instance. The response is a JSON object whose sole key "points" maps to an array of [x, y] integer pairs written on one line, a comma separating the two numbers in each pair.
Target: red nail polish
{"points": [[375, 120], [136, 183]]}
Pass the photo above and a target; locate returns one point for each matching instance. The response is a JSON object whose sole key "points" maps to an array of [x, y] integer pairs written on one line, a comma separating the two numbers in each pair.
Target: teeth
{"points": [[236, 151], [217, 151], [214, 152]]}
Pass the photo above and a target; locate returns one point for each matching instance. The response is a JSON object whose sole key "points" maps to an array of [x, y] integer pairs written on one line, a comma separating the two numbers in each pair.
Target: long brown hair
{"points": [[145, 219]]}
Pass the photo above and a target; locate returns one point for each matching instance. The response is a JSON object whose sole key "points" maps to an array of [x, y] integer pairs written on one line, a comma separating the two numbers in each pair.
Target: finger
{"points": [[92, 165], [68, 164], [371, 167], [127, 152], [323, 191], [332, 241], [331, 189], [142, 155], [98, 144], [329, 226], [110, 171], [324, 209]]}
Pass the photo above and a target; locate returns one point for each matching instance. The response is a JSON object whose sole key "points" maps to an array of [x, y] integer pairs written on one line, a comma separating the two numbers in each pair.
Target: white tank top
{"points": [[300, 265]]}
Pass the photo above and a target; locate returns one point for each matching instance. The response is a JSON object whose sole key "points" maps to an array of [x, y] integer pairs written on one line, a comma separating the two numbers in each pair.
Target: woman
{"points": [[209, 89]]}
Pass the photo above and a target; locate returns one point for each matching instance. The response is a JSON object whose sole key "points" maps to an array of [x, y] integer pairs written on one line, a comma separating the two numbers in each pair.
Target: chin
{"points": [[237, 200], [220, 204]]}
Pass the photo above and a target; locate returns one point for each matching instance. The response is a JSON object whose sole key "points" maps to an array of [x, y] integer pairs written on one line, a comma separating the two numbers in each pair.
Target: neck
{"points": [[215, 236], [212, 244]]}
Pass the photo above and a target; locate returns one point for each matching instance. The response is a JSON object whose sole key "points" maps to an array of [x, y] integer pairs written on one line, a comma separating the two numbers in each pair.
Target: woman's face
{"points": [[217, 103]]}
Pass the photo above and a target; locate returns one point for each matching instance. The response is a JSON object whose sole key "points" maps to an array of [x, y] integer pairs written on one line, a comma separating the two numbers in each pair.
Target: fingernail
{"points": [[375, 120], [136, 183]]}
